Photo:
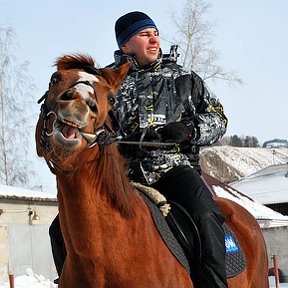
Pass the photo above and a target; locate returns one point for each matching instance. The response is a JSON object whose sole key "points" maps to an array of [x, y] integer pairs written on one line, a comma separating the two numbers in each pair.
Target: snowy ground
{"points": [[272, 283], [32, 280], [249, 160]]}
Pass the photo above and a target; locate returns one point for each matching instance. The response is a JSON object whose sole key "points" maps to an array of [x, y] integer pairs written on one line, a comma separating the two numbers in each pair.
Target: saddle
{"points": [[181, 235]]}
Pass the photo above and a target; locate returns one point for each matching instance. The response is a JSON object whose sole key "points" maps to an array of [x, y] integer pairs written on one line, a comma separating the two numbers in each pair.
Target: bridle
{"points": [[102, 135]]}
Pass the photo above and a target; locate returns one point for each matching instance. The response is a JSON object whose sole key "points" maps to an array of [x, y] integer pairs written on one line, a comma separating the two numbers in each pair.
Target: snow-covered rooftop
{"points": [[10, 192], [269, 186], [265, 216]]}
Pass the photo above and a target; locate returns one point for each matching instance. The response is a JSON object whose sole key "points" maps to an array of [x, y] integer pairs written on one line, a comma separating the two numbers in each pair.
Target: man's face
{"points": [[144, 45]]}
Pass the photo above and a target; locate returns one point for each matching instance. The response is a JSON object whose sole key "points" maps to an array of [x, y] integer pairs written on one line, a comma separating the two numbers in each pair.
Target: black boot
{"points": [[212, 266], [57, 245]]}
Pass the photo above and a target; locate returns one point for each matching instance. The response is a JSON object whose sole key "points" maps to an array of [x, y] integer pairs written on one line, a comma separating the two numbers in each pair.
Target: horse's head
{"points": [[74, 114]]}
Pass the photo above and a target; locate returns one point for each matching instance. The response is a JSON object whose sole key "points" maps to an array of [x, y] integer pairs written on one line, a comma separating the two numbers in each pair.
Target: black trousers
{"points": [[57, 244], [185, 186]]}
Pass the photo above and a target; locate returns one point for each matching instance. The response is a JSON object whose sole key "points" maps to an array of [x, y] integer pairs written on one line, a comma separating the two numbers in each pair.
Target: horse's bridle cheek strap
{"points": [[39, 129], [43, 134]]}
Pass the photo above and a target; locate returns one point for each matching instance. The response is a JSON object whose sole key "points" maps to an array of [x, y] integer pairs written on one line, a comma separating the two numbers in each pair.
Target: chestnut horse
{"points": [[109, 235]]}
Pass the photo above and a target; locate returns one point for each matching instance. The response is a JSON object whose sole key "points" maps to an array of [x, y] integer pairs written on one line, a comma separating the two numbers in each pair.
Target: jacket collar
{"points": [[121, 58]]}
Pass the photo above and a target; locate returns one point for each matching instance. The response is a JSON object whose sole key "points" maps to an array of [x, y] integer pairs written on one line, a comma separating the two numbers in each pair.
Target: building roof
{"points": [[276, 143], [16, 193], [267, 186], [265, 216]]}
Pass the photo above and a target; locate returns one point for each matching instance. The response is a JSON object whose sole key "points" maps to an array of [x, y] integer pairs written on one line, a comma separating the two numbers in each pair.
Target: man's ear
{"points": [[124, 49]]}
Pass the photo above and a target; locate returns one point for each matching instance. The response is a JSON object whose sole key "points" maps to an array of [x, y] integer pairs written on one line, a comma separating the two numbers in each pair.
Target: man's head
{"points": [[137, 35]]}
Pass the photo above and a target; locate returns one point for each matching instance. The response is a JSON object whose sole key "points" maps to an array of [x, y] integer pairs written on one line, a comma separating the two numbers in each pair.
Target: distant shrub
{"points": [[236, 141]]}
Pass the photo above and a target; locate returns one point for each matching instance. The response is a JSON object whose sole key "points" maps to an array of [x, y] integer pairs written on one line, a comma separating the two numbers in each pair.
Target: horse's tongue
{"points": [[70, 132]]}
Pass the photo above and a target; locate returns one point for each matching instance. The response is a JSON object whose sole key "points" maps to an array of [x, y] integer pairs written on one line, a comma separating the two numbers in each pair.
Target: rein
{"points": [[146, 143]]}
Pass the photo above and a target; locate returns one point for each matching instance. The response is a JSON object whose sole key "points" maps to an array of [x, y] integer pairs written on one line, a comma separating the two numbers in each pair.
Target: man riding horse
{"points": [[159, 101]]}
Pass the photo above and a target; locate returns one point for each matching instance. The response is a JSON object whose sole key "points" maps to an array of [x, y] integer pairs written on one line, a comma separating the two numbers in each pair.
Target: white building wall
{"points": [[3, 254], [25, 243], [276, 242]]}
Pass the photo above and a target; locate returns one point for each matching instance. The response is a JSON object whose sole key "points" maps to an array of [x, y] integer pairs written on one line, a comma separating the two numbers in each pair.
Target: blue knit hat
{"points": [[130, 24]]}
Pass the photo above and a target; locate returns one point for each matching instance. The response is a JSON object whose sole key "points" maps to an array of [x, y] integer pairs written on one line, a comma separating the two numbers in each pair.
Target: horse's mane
{"points": [[76, 61], [110, 169]]}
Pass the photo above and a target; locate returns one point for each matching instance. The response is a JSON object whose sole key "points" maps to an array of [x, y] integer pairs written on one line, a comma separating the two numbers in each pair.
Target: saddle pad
{"points": [[166, 233], [235, 259]]}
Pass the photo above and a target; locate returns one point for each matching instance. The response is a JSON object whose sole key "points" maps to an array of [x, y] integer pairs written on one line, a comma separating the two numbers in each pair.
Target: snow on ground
{"points": [[272, 283], [30, 280], [249, 160]]}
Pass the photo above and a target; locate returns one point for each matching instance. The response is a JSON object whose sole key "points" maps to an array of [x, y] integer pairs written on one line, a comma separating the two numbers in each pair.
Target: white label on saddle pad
{"points": [[230, 244]]}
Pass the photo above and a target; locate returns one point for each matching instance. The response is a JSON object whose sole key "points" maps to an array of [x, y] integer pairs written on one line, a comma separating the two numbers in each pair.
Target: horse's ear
{"points": [[116, 76]]}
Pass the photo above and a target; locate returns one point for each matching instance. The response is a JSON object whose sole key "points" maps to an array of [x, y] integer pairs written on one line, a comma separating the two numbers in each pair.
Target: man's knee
{"points": [[55, 229], [209, 217]]}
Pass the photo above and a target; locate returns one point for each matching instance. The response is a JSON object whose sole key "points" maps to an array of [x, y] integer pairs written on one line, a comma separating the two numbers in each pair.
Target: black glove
{"points": [[177, 132]]}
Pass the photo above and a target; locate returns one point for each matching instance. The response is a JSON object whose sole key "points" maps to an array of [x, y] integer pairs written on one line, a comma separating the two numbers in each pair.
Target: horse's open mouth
{"points": [[67, 132]]}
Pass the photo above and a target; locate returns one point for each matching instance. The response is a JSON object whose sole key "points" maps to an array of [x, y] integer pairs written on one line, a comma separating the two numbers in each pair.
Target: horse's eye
{"points": [[93, 107], [111, 99], [55, 78]]}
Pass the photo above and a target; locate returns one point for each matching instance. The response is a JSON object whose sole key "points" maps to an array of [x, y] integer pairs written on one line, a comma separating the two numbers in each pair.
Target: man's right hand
{"points": [[177, 132]]}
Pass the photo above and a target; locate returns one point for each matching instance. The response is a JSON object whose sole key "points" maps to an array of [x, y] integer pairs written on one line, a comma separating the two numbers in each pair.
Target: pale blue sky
{"points": [[250, 35]]}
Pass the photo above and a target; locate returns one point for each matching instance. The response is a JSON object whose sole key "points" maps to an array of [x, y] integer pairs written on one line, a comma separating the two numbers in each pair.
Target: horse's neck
{"points": [[86, 213], [79, 198]]}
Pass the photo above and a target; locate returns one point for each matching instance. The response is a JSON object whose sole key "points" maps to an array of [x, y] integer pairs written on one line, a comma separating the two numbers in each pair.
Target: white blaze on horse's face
{"points": [[83, 89], [87, 77]]}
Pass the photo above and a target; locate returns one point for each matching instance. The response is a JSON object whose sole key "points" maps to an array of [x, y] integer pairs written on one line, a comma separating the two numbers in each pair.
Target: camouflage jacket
{"points": [[158, 94]]}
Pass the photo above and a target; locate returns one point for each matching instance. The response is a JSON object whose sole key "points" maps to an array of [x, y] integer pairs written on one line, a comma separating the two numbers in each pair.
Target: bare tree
{"points": [[16, 112], [195, 39]]}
